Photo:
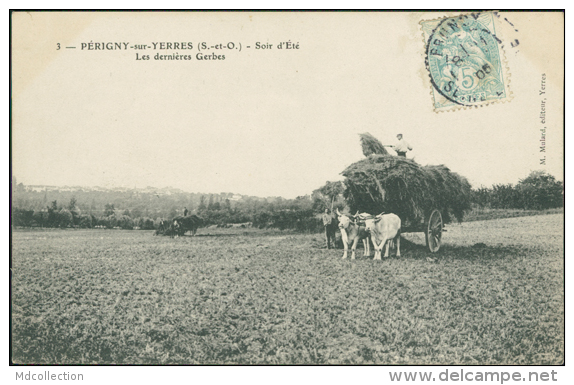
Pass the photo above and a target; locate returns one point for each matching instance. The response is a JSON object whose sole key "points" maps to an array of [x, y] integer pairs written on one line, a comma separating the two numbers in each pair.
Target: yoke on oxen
{"points": [[352, 231], [382, 230], [385, 230]]}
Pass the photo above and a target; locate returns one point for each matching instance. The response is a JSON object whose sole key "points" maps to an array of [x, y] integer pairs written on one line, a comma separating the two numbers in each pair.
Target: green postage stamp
{"points": [[465, 60]]}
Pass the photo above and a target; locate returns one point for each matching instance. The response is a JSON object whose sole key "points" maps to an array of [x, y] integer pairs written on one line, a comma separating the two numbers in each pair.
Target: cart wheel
{"points": [[433, 231]]}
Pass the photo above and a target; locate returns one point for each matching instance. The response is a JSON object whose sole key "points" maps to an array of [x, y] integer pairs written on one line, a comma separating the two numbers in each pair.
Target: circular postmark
{"points": [[463, 59]]}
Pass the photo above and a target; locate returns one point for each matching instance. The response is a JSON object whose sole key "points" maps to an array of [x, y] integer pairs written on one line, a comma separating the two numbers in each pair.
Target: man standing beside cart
{"points": [[330, 225]]}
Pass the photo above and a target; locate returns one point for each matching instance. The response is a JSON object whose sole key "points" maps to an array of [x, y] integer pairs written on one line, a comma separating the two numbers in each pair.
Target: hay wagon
{"points": [[424, 197], [432, 227]]}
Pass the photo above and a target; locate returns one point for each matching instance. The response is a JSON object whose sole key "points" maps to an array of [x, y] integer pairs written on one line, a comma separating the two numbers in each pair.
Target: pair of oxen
{"points": [[381, 230]]}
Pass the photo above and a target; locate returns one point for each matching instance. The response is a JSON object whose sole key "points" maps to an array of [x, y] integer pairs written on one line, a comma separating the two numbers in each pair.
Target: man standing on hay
{"points": [[402, 146]]}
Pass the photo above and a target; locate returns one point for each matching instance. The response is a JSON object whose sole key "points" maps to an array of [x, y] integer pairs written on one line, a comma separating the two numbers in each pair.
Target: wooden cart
{"points": [[433, 228]]}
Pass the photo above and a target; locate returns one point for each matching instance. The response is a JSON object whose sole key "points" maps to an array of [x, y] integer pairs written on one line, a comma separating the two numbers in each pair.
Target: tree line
{"points": [[538, 191], [134, 209]]}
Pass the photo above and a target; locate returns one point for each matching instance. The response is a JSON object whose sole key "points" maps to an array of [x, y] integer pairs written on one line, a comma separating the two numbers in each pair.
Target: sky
{"points": [[265, 122]]}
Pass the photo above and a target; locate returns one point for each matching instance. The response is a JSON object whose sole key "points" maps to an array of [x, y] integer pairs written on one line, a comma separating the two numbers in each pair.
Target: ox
{"points": [[384, 228], [351, 231]]}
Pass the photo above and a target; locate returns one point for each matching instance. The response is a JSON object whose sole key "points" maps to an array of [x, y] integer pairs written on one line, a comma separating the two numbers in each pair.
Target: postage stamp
{"points": [[465, 60]]}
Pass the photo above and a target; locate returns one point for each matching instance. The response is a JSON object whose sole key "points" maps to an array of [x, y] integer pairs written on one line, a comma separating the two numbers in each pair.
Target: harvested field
{"points": [[493, 295]]}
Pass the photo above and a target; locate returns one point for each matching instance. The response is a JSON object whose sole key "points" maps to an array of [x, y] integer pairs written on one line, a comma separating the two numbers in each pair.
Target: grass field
{"points": [[482, 214], [494, 295]]}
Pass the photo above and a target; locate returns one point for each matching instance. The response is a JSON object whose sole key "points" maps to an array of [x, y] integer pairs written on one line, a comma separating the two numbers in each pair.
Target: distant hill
{"points": [[148, 202]]}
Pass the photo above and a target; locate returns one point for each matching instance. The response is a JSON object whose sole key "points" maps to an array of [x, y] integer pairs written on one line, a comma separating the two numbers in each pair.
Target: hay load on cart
{"points": [[424, 197]]}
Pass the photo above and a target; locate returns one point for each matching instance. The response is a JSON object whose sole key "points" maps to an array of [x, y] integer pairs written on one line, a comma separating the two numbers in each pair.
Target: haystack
{"points": [[371, 145], [392, 184]]}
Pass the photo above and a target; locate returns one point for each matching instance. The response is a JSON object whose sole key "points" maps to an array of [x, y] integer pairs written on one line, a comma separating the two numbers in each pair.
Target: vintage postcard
{"points": [[287, 188]]}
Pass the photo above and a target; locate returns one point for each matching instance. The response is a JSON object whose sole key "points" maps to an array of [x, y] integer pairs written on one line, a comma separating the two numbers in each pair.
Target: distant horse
{"points": [[162, 228], [171, 228]]}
